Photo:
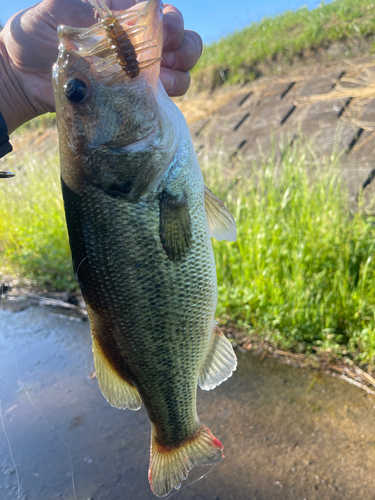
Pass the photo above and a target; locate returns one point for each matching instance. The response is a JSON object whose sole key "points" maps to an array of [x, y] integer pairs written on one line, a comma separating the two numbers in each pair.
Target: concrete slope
{"points": [[258, 119]]}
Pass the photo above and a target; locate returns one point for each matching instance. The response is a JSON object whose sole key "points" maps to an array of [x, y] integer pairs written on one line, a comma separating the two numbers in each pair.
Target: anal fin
{"points": [[117, 391], [219, 364], [170, 465]]}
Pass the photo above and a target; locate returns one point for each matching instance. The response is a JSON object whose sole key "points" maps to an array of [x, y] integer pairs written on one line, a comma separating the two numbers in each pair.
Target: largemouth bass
{"points": [[140, 222]]}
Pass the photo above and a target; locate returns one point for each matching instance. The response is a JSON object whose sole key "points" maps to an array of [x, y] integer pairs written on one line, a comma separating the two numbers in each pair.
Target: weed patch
{"points": [[302, 269]]}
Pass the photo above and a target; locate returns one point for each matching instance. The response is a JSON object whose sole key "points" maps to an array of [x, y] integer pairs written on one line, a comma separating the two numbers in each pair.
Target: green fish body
{"points": [[140, 222]]}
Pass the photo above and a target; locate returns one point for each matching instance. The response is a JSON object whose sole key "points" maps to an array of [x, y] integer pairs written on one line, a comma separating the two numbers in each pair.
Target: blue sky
{"points": [[210, 18]]}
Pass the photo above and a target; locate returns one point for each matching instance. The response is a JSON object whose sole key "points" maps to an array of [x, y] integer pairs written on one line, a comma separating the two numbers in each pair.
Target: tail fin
{"points": [[169, 466]]}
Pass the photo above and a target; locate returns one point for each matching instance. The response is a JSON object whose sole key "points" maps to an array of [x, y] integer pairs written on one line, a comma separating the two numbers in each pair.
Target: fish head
{"points": [[111, 126]]}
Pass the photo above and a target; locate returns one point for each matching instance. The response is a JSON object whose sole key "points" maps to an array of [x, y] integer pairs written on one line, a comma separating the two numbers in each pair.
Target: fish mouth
{"points": [[112, 58]]}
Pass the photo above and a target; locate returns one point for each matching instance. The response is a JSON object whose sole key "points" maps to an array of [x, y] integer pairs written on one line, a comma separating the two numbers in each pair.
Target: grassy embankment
{"points": [[286, 38], [301, 272]]}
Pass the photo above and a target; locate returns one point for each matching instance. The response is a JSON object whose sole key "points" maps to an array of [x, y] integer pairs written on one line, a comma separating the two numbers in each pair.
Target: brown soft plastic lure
{"points": [[118, 40]]}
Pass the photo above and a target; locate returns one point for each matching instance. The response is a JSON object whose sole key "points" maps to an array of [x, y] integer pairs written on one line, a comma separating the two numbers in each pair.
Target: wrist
{"points": [[15, 107]]}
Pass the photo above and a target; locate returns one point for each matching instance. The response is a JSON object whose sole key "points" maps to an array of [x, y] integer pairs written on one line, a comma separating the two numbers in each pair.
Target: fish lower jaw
{"points": [[141, 143]]}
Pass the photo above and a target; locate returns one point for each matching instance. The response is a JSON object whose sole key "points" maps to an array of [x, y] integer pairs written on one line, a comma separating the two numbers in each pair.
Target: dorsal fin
{"points": [[220, 221]]}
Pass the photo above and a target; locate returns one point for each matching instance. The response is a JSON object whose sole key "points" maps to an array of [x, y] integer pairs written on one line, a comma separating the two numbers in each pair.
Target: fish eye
{"points": [[75, 90]]}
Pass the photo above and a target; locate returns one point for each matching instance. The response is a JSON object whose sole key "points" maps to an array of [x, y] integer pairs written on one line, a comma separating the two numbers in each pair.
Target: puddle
{"points": [[287, 433]]}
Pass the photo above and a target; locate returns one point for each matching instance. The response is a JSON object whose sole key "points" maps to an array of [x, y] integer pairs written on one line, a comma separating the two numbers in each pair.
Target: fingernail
{"points": [[168, 80], [169, 60]]}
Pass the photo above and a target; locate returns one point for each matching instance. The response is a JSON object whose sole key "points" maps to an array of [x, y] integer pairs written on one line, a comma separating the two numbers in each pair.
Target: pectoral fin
{"points": [[220, 222], [219, 364], [117, 391], [175, 225]]}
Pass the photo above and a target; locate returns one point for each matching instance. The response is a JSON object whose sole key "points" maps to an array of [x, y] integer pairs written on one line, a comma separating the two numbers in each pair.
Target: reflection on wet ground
{"points": [[287, 433]]}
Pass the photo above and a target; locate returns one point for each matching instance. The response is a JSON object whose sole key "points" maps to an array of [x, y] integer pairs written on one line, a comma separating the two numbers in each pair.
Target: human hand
{"points": [[29, 48]]}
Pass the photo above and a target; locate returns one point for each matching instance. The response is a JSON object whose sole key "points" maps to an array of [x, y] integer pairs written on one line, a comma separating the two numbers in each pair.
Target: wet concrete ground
{"points": [[287, 433]]}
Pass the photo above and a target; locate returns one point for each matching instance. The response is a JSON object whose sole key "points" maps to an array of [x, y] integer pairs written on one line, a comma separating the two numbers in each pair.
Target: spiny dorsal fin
{"points": [[219, 364], [117, 391], [220, 222], [175, 225]]}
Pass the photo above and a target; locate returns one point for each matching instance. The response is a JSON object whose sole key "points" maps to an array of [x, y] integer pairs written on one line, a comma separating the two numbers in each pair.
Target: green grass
{"points": [[40, 123], [283, 38], [301, 272], [33, 236]]}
